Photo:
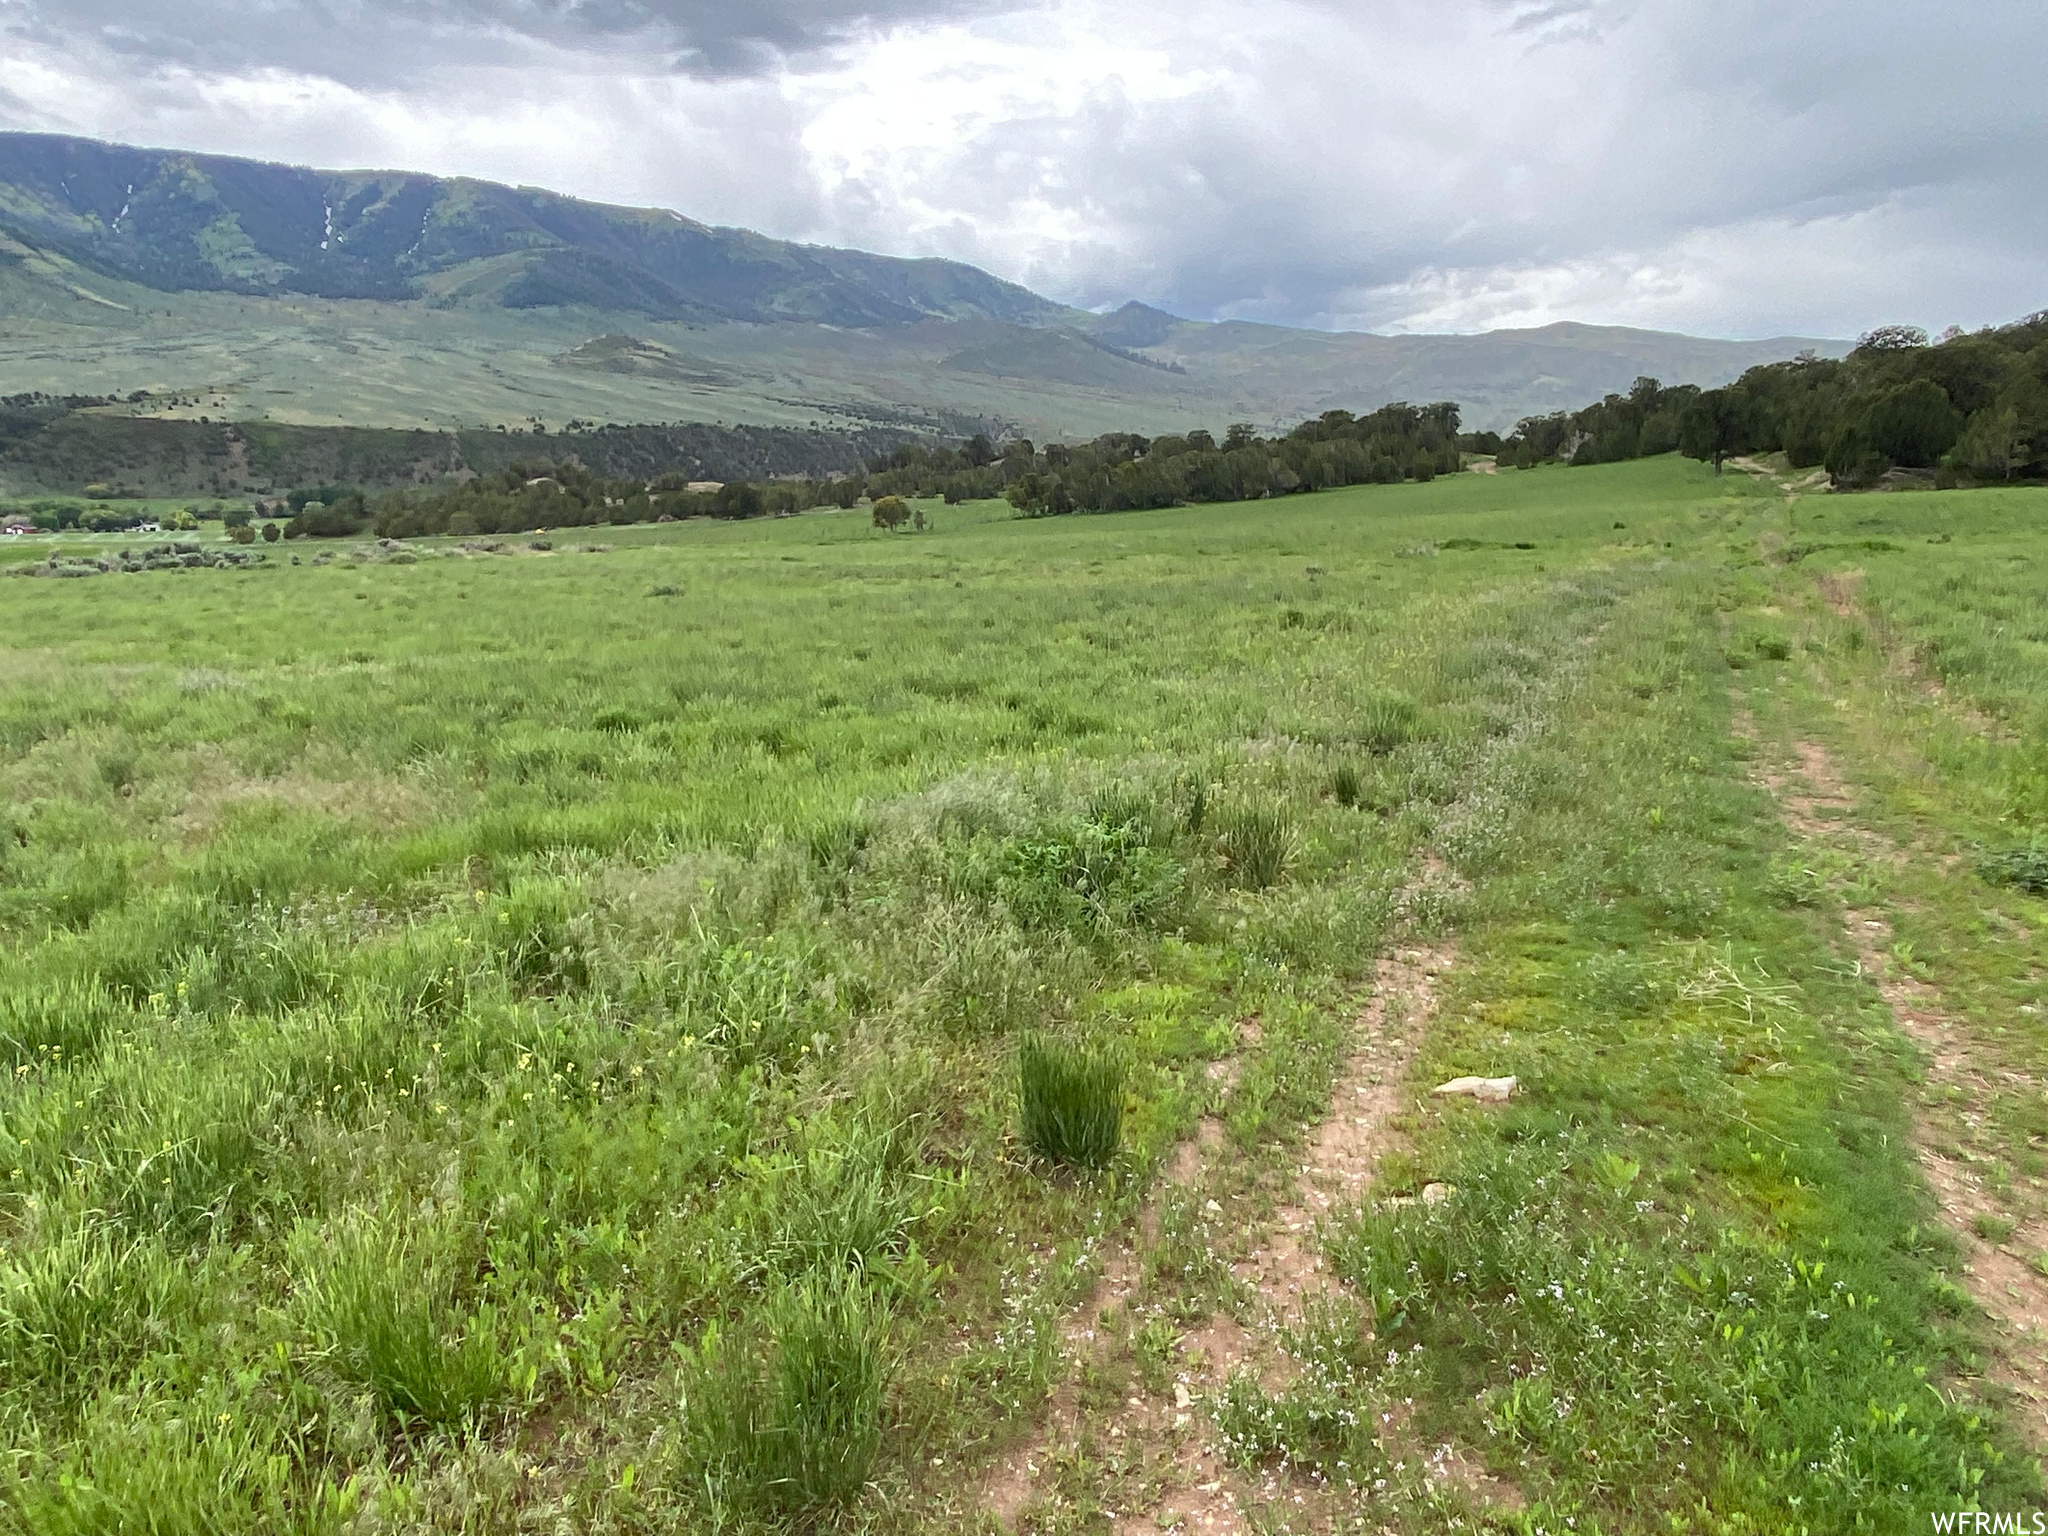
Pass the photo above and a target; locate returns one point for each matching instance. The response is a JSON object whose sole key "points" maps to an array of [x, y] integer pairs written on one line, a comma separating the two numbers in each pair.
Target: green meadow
{"points": [[663, 1032]]}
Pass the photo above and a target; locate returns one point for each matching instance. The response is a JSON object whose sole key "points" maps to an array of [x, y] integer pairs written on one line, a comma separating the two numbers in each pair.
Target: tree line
{"points": [[1123, 471], [1114, 472], [530, 496], [1971, 409], [97, 447]]}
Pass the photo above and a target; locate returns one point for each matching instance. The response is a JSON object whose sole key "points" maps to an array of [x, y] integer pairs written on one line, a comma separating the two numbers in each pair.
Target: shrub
{"points": [[891, 512], [1255, 846], [271, 533], [1072, 1100], [242, 533], [2024, 865], [1092, 878]]}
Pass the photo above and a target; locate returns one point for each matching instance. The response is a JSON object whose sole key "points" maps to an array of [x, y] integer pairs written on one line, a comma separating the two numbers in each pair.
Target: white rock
{"points": [[1495, 1089], [1435, 1194], [1182, 1398]]}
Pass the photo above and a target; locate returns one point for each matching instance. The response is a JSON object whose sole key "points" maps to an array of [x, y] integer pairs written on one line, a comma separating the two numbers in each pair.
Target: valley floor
{"points": [[528, 1039]]}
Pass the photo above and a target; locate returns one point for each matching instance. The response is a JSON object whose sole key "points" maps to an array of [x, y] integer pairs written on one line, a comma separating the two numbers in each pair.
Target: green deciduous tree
{"points": [[1991, 447], [1714, 424], [1913, 425]]}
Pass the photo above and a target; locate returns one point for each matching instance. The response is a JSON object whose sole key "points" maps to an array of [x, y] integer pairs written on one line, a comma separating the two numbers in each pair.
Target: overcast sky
{"points": [[1727, 167]]}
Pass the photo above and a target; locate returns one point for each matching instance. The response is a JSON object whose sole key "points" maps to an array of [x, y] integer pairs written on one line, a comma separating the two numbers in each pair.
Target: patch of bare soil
{"points": [[1841, 590], [2009, 1289], [1340, 1158], [1761, 471]]}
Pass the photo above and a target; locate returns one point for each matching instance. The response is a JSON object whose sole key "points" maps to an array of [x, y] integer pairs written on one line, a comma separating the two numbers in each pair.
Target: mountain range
{"points": [[210, 285]]}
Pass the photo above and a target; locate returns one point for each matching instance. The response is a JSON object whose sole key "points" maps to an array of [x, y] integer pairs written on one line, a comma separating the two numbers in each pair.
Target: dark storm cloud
{"points": [[376, 41]]}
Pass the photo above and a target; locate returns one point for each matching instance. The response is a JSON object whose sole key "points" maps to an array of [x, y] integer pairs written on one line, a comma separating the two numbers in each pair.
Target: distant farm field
{"points": [[785, 1026]]}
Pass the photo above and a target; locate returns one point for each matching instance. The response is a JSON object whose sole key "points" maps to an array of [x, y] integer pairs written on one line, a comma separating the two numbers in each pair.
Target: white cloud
{"points": [[1734, 168], [1828, 276]]}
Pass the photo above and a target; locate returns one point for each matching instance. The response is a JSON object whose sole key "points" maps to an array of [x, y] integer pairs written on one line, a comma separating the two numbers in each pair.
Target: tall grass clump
{"points": [[1345, 786], [381, 1304], [1130, 810], [1255, 846], [851, 1203], [1072, 1099], [782, 1419], [1386, 721], [55, 1020]]}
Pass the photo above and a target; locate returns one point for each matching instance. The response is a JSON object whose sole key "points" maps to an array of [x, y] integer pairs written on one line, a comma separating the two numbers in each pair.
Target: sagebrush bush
{"points": [[1073, 1099]]}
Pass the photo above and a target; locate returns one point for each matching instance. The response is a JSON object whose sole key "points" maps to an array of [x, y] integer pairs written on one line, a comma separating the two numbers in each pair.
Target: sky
{"points": [[1745, 168]]}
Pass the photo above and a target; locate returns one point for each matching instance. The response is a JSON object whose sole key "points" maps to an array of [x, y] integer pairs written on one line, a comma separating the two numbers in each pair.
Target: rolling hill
{"points": [[223, 287]]}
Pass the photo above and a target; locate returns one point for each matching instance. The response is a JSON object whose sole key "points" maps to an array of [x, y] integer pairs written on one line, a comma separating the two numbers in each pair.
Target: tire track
{"points": [[2010, 1290], [1189, 1486]]}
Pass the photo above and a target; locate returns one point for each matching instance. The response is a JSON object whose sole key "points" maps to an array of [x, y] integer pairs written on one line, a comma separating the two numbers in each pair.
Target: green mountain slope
{"points": [[180, 222], [232, 288]]}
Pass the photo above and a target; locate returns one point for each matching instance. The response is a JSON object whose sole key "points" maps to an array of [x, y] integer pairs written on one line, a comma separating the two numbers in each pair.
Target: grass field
{"points": [[531, 1040]]}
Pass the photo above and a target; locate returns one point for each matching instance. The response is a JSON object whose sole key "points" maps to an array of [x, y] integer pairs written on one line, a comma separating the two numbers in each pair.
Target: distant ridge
{"points": [[178, 222], [212, 286]]}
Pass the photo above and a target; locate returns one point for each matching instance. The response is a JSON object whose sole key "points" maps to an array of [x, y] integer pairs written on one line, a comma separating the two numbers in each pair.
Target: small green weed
{"points": [[1793, 884], [2023, 866], [1992, 1226]]}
